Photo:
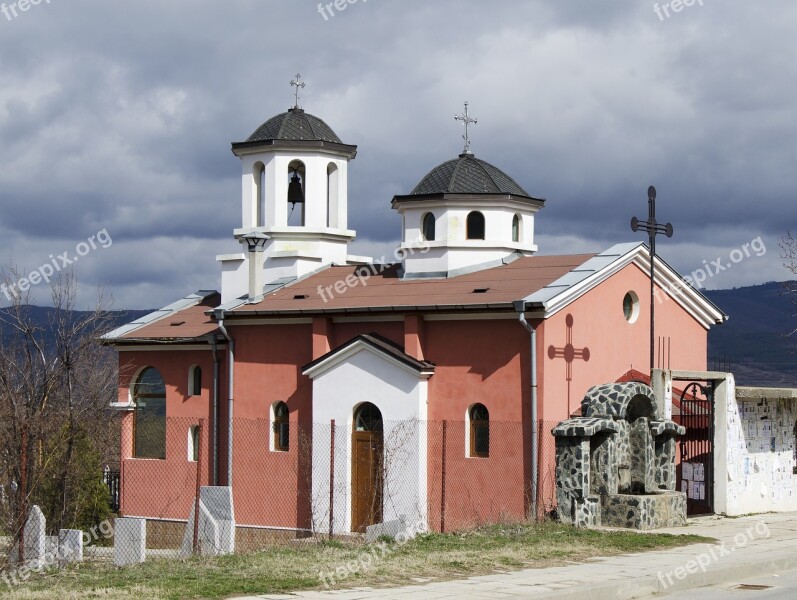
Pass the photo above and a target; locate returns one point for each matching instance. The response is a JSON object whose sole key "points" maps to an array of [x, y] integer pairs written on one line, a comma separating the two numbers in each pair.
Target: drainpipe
{"points": [[215, 429], [230, 388], [520, 308]]}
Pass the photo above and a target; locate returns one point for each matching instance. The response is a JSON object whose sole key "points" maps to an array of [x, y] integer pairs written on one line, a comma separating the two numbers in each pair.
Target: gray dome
{"points": [[295, 126], [467, 175]]}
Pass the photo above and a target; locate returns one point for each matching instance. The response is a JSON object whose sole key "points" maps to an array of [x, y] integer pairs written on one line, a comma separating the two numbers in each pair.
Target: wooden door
{"points": [[367, 479]]}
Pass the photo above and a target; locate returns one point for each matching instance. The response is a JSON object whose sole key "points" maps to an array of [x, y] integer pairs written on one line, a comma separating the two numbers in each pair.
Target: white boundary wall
{"points": [[754, 457]]}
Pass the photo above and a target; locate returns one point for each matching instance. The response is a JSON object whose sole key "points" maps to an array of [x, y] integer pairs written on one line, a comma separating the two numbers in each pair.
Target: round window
{"points": [[631, 307]]}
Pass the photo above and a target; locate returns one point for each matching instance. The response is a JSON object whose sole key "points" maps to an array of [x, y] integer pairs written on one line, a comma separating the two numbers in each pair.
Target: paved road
{"points": [[751, 546], [781, 587]]}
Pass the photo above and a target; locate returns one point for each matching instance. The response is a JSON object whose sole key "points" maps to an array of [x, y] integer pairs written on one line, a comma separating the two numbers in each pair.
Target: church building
{"points": [[420, 388]]}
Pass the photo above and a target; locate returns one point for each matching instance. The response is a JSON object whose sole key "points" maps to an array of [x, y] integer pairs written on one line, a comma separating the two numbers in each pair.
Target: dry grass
{"points": [[284, 569]]}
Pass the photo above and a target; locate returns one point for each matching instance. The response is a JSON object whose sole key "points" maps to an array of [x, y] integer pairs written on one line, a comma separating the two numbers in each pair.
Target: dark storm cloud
{"points": [[120, 115]]}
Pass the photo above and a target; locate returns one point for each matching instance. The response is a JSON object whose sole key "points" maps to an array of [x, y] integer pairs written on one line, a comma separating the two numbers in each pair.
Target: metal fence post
{"points": [[443, 481], [331, 477], [23, 494], [198, 450]]}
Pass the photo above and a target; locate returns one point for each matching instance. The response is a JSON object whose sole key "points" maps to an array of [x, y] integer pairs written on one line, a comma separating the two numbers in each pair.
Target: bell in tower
{"points": [[295, 190], [296, 218]]}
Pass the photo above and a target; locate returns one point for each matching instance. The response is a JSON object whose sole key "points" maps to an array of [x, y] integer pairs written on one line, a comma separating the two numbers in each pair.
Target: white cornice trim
{"points": [[375, 319], [287, 321], [467, 204], [303, 233], [467, 245], [166, 347], [231, 257], [473, 317]]}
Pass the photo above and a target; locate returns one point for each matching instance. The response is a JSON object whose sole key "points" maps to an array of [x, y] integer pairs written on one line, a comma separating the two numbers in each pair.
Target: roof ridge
{"points": [[315, 134], [486, 172], [285, 117], [454, 174]]}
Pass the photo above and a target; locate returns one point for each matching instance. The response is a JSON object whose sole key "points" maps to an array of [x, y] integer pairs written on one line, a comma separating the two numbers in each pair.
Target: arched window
{"points": [[194, 381], [193, 443], [259, 176], [149, 423], [333, 186], [475, 226], [368, 418], [479, 419], [281, 428], [297, 188], [428, 227], [516, 228]]}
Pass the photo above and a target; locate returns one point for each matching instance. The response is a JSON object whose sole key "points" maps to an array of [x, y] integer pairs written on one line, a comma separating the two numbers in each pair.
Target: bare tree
{"points": [[56, 382]]}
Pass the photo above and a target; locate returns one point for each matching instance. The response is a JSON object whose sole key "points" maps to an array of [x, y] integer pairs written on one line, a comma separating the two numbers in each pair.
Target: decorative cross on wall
{"points": [[467, 120], [570, 353], [297, 84]]}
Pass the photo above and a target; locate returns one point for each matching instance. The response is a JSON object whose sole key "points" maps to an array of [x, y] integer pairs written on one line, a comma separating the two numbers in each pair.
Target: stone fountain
{"points": [[615, 465]]}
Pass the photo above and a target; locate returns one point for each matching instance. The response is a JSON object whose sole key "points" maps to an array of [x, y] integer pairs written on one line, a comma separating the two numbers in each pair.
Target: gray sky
{"points": [[119, 116]]}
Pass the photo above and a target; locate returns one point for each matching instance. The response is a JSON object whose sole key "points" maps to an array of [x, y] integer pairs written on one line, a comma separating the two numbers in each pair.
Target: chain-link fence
{"points": [[293, 483]]}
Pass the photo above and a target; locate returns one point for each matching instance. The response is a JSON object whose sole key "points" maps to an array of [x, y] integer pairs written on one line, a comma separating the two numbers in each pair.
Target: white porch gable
{"points": [[369, 369]]}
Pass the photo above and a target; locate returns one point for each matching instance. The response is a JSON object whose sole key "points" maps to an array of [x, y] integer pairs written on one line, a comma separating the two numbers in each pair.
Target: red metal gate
{"points": [[696, 469]]}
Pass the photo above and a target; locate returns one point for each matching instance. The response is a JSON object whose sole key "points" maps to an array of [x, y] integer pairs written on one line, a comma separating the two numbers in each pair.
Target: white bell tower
{"points": [[295, 193]]}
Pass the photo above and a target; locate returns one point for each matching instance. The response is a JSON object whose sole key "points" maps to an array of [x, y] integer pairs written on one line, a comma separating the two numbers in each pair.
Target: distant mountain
{"points": [[42, 316], [754, 340]]}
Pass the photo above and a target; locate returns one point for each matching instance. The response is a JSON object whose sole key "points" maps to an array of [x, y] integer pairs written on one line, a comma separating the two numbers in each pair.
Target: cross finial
{"points": [[467, 120], [298, 85]]}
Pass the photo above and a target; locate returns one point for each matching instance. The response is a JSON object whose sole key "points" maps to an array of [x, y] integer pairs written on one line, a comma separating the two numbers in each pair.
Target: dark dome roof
{"points": [[295, 125], [468, 175]]}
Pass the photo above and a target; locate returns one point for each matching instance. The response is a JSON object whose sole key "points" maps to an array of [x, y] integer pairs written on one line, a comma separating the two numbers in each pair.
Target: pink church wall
{"points": [[476, 361], [271, 488], [615, 345], [165, 488]]}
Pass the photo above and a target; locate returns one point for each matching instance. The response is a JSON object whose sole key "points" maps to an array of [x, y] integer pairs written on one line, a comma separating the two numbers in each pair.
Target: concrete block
{"points": [[388, 528], [130, 542], [216, 523], [34, 541], [70, 546], [208, 534]]}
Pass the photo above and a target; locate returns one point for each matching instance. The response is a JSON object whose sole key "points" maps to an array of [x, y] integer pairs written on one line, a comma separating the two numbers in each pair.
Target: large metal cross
{"points": [[296, 83], [467, 120], [653, 228]]}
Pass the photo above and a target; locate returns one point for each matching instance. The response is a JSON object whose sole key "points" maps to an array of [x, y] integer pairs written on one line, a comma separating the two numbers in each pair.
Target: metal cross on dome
{"points": [[296, 83], [467, 120]]}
